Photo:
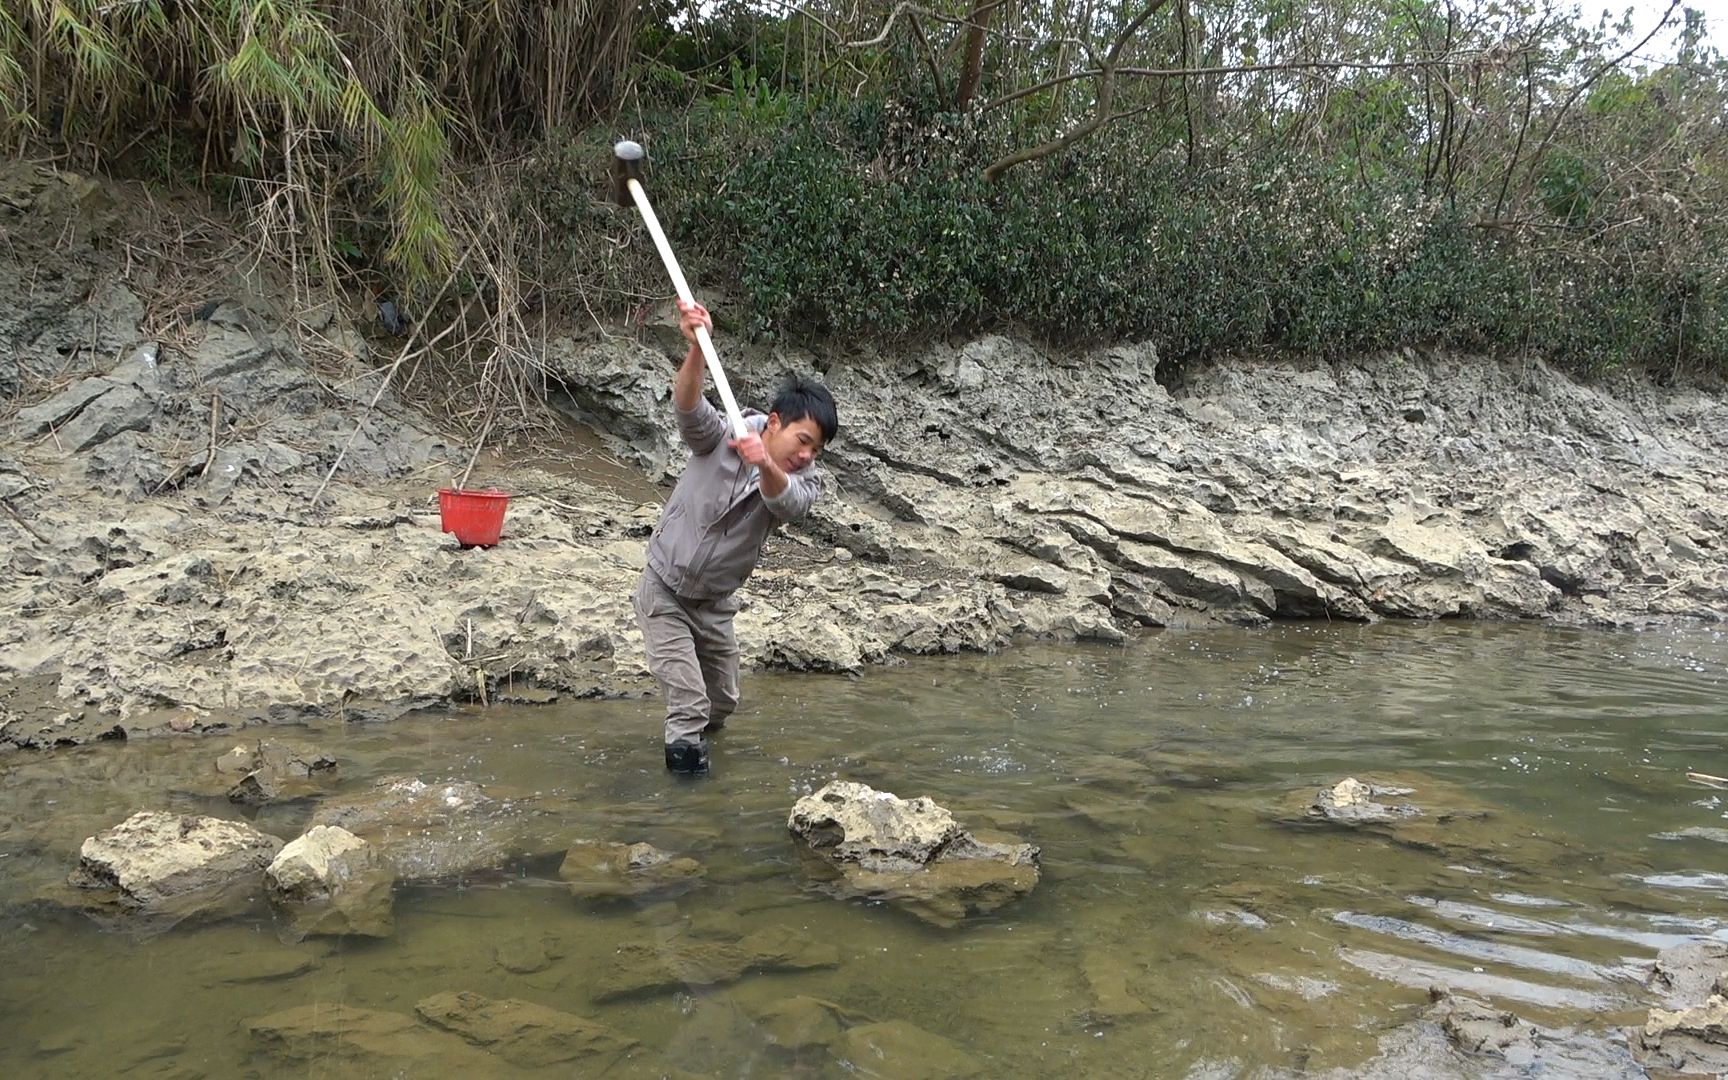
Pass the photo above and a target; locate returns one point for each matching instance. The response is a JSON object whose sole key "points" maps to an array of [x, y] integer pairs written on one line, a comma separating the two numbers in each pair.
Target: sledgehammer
{"points": [[627, 167]]}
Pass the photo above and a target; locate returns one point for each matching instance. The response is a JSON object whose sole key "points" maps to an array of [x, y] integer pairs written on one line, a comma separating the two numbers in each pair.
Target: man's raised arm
{"points": [[698, 420]]}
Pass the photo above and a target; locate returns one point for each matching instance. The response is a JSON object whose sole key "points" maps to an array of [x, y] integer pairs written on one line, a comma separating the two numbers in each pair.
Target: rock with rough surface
{"points": [[1693, 1040], [94, 410], [1406, 484], [332, 883], [1477, 1028], [155, 859], [1687, 974], [1481, 1033], [1351, 802], [912, 853], [853, 822], [595, 869]]}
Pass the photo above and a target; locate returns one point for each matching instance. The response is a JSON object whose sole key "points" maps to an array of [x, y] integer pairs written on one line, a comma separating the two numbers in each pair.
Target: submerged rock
{"points": [[534, 1036], [1113, 1001], [801, 1023], [360, 1041], [903, 1051], [806, 1028], [270, 770], [596, 869], [682, 962], [436, 832], [528, 954], [912, 853], [162, 862], [331, 882], [254, 965]]}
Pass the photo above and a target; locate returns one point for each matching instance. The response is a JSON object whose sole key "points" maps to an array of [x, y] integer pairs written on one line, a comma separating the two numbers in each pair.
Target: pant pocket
{"points": [[653, 599]]}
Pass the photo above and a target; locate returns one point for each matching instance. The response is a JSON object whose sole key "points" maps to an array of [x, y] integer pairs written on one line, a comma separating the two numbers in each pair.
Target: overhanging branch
{"points": [[1101, 112], [1448, 60]]}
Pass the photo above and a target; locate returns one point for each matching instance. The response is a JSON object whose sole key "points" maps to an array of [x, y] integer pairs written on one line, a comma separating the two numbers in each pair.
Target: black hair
{"points": [[800, 398]]}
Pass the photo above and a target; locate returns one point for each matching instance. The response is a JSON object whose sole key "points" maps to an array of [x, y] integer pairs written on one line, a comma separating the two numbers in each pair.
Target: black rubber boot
{"points": [[687, 757]]}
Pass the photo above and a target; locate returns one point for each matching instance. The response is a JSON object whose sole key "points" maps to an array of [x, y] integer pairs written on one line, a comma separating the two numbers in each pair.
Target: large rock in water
{"points": [[158, 862], [911, 852], [331, 882]]}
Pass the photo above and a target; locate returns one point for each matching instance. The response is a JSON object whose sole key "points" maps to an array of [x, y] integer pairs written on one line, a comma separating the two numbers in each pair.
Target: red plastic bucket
{"points": [[476, 517]]}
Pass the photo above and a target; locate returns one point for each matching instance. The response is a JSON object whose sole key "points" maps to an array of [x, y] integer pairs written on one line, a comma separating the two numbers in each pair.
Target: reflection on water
{"points": [[1186, 923]]}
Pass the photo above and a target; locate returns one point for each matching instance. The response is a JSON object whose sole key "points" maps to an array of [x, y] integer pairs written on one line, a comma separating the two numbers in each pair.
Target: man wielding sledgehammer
{"points": [[734, 492]]}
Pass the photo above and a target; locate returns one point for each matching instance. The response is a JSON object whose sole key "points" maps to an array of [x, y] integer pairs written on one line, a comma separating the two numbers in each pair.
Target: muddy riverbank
{"points": [[169, 572]]}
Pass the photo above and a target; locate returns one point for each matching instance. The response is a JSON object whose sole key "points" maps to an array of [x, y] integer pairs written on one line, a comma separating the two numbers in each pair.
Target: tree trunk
{"points": [[978, 25]]}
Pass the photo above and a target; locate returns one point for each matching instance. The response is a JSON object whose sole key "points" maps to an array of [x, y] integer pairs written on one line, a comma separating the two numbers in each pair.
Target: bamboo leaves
{"points": [[298, 99]]}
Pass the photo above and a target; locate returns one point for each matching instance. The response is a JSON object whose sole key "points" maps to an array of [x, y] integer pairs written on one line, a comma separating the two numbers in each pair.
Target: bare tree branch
{"points": [[882, 35], [929, 56], [1306, 65], [1536, 155], [1101, 111], [1239, 69]]}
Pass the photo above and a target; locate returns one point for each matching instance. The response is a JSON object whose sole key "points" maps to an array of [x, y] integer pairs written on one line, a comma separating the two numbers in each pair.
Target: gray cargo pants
{"points": [[691, 652]]}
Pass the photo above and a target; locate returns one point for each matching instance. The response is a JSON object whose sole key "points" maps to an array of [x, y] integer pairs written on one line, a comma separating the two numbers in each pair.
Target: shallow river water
{"points": [[1188, 922]]}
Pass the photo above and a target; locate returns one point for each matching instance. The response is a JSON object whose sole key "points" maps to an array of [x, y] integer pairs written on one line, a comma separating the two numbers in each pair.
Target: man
{"points": [[733, 493]]}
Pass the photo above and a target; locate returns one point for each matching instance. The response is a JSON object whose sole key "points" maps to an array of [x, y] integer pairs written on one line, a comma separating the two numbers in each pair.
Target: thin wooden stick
{"points": [[22, 524], [462, 485], [391, 372], [215, 419]]}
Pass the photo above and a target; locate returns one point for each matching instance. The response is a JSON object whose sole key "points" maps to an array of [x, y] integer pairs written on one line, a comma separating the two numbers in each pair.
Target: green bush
{"points": [[862, 219]]}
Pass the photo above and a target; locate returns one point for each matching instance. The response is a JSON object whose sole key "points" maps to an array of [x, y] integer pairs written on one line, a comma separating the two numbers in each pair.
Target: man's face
{"points": [[792, 446]]}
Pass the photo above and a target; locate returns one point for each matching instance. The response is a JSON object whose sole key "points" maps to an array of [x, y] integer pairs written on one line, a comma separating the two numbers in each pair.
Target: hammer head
{"points": [[628, 160]]}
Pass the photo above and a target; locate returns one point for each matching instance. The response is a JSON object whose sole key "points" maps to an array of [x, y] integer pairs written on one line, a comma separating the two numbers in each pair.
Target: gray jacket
{"points": [[713, 527]]}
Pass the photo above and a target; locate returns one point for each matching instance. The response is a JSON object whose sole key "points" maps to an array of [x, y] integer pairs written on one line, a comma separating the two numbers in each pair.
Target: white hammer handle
{"points": [[683, 287]]}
